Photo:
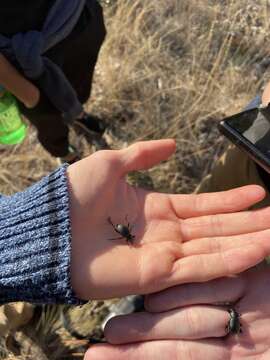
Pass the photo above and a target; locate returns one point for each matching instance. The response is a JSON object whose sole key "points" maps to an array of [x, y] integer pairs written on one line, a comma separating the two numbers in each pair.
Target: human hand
{"points": [[186, 315], [178, 237], [18, 85]]}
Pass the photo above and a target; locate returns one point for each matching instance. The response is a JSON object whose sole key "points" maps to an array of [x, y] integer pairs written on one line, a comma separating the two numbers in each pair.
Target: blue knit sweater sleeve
{"points": [[35, 243]]}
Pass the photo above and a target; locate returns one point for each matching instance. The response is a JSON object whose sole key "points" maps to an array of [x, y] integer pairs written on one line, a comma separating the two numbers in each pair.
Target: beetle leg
{"points": [[240, 329], [128, 224], [110, 221], [119, 238]]}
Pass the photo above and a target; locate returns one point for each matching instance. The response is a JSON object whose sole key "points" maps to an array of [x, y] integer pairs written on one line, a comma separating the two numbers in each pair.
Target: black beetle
{"points": [[234, 325], [123, 230]]}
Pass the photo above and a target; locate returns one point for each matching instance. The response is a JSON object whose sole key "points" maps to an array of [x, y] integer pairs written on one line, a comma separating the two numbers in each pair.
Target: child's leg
{"points": [[81, 53], [51, 129], [76, 56], [52, 134]]}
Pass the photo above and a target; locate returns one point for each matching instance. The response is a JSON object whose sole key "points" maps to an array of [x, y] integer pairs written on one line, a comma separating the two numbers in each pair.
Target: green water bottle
{"points": [[12, 129]]}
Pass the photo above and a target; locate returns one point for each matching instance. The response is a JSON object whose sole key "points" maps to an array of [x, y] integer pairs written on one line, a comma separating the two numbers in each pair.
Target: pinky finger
{"points": [[161, 350]]}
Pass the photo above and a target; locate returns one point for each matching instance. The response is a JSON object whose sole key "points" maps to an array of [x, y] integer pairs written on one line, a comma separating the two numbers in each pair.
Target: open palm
{"points": [[167, 228]]}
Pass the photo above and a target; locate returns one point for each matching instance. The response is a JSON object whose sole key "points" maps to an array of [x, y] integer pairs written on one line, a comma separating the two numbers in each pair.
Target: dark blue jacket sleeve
{"points": [[35, 243]]}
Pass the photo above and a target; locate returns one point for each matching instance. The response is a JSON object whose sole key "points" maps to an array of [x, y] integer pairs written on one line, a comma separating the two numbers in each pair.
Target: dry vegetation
{"points": [[167, 69]]}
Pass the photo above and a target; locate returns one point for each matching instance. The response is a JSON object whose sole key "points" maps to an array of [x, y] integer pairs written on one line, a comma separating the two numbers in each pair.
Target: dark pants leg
{"points": [[76, 56]]}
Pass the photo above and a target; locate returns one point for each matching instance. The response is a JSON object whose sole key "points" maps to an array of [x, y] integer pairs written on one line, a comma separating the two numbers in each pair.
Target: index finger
{"points": [[187, 206]]}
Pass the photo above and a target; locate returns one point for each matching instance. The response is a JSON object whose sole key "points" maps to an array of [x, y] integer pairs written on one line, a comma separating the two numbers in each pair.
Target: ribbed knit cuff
{"points": [[35, 243]]}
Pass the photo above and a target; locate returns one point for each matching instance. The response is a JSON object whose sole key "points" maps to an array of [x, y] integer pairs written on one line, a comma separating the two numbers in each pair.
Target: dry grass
{"points": [[168, 69], [171, 69]]}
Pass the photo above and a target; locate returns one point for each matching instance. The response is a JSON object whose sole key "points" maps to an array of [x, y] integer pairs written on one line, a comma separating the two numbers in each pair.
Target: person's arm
{"points": [[57, 235], [35, 243], [18, 85]]}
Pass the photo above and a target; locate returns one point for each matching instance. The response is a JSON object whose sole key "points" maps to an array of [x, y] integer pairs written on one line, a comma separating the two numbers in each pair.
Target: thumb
{"points": [[145, 154]]}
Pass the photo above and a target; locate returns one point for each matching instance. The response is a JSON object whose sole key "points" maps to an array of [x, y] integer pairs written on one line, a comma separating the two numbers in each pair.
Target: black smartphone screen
{"points": [[254, 126]]}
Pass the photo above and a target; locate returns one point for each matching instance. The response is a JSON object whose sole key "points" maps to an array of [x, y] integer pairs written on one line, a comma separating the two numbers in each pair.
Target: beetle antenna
{"points": [[110, 221], [126, 218]]}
